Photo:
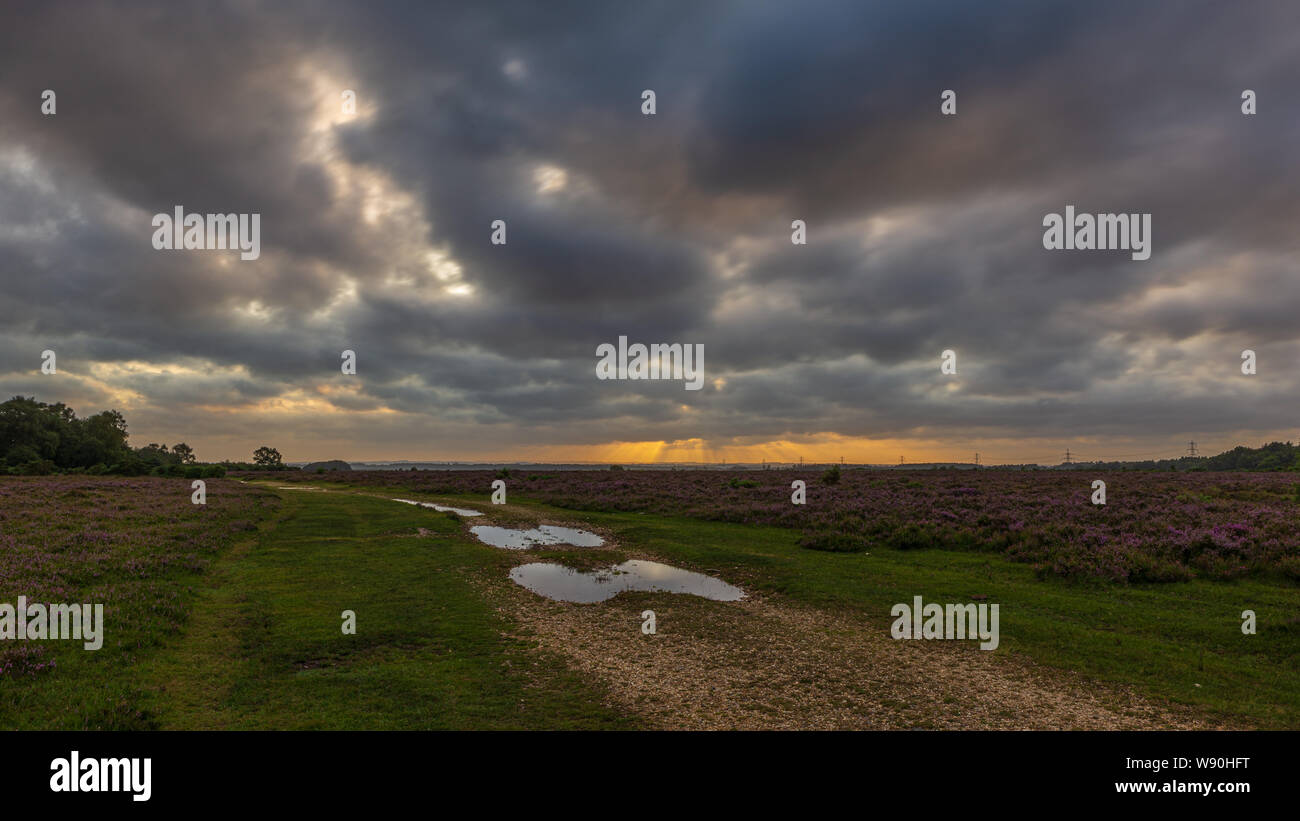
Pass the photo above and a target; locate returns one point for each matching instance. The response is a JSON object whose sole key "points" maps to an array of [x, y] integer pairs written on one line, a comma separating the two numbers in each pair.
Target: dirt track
{"points": [[758, 664]]}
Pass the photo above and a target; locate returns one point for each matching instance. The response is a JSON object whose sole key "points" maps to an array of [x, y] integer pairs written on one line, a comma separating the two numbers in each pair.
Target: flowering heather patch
{"points": [[24, 659], [134, 545], [1154, 527]]}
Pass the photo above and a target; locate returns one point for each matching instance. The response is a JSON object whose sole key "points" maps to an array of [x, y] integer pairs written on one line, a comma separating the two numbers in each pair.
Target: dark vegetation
{"points": [[1274, 456], [39, 439]]}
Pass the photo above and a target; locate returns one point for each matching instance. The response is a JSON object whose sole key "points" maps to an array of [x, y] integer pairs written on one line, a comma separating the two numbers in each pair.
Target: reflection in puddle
{"points": [[441, 509], [555, 581], [543, 535]]}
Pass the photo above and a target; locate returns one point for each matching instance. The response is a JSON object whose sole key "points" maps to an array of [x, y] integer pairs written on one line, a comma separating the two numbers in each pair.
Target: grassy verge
{"points": [[266, 650], [138, 547]]}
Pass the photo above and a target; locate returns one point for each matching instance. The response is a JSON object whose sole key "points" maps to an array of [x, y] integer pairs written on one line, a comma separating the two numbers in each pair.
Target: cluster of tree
{"points": [[264, 458], [1273, 456], [1270, 457], [38, 438]]}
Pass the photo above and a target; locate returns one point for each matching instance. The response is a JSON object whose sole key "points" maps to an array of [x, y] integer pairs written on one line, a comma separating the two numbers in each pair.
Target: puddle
{"points": [[540, 536], [555, 581], [442, 509], [317, 489]]}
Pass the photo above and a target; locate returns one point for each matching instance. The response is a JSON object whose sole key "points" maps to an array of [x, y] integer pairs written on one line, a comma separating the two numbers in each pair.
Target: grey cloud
{"points": [[824, 111]]}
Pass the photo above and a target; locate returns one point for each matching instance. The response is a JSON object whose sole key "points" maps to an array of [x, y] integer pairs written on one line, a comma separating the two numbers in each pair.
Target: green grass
{"points": [[1165, 639], [1178, 641], [262, 647], [430, 652]]}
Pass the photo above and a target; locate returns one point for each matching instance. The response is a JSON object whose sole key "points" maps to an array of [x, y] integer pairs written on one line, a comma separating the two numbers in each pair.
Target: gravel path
{"points": [[759, 664]]}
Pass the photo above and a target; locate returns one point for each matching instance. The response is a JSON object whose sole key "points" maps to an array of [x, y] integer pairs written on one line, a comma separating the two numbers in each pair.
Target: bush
{"points": [[738, 482], [1143, 568], [37, 467], [20, 455], [1290, 567], [130, 466], [911, 537], [834, 541], [831, 476]]}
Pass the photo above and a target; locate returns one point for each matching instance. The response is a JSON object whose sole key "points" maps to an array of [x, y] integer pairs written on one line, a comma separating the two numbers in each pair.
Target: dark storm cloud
{"points": [[924, 231]]}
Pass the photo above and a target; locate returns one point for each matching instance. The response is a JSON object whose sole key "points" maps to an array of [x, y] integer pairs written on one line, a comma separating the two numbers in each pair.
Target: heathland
{"points": [[228, 615]]}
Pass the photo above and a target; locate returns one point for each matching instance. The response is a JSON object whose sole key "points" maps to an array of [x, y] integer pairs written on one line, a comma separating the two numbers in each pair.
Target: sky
{"points": [[924, 230]]}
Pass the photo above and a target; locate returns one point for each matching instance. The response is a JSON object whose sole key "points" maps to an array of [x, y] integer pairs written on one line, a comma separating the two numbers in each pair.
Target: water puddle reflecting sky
{"points": [[540, 536], [555, 581], [441, 508]]}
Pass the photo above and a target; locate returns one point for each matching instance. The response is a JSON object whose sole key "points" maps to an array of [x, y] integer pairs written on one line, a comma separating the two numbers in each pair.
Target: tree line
{"points": [[37, 438], [1274, 456]]}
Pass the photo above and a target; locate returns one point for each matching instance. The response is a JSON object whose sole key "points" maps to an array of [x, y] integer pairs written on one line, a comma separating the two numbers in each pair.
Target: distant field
{"points": [[1155, 527]]}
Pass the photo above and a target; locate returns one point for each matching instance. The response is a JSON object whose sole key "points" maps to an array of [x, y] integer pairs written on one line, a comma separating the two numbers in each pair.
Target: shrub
{"points": [[37, 467], [834, 541], [1145, 568], [911, 537], [1290, 567], [831, 476]]}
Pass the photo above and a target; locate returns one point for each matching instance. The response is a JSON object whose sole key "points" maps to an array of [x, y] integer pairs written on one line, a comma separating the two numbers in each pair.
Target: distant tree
{"points": [[157, 456], [266, 457], [185, 452], [36, 436], [106, 437]]}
